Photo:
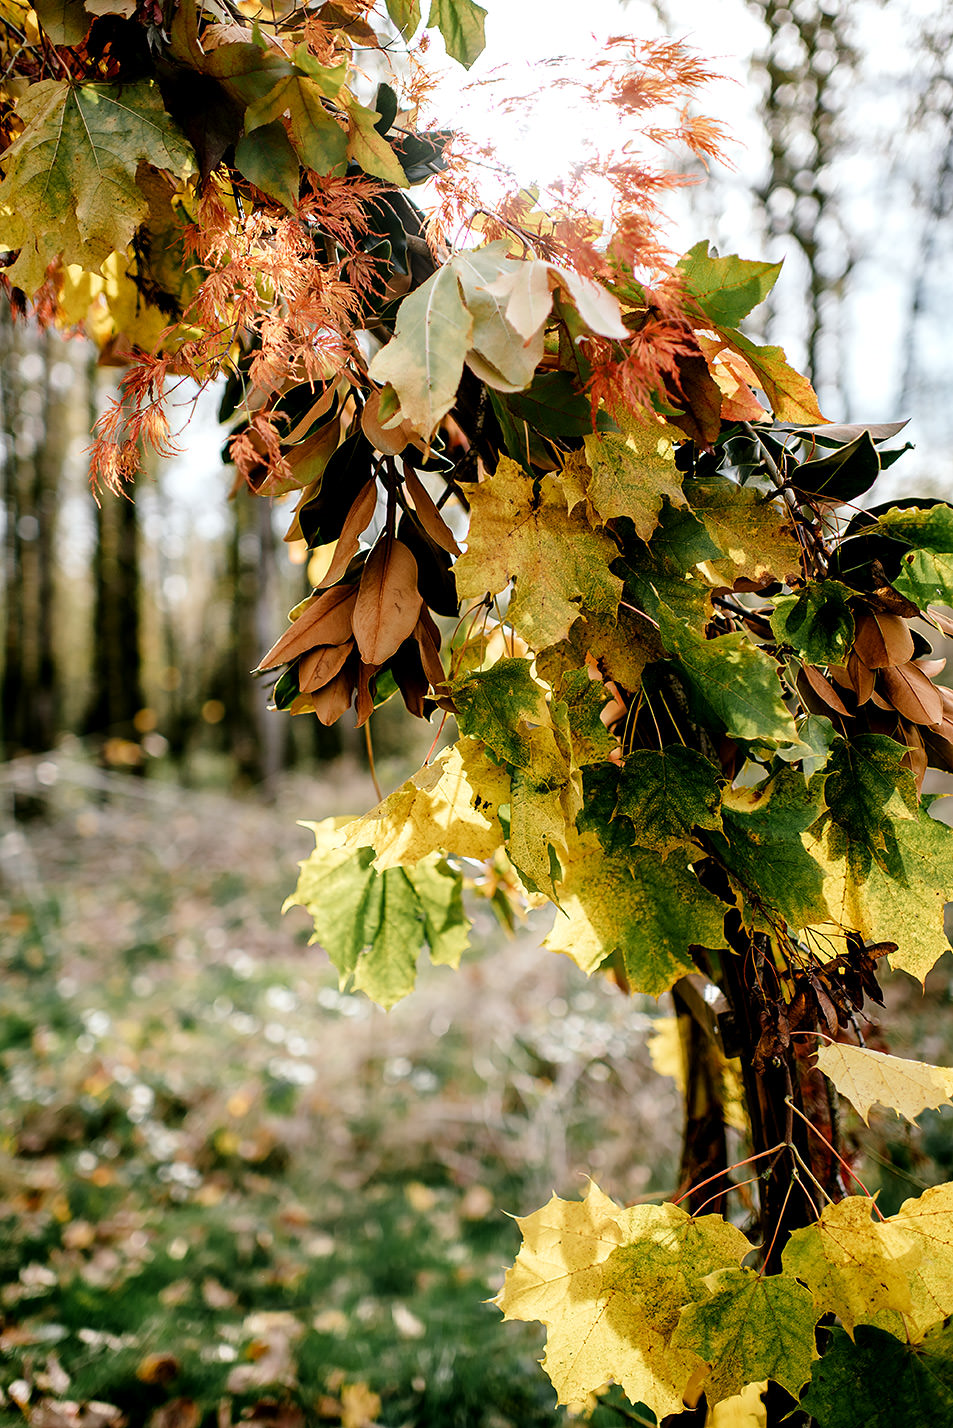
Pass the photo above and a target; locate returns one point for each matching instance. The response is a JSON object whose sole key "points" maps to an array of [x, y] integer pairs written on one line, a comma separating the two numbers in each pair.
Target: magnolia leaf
{"points": [[512, 360], [405, 15], [319, 140], [926, 527], [726, 289], [926, 1225], [610, 1284], [776, 878], [451, 806], [668, 794], [372, 152], [373, 924], [529, 296], [870, 1078], [646, 911], [460, 22], [816, 621], [791, 396], [267, 159], [895, 895], [424, 360], [926, 578], [498, 705], [522, 529], [854, 1266], [388, 601], [633, 473], [878, 1382], [756, 534], [753, 1327], [736, 683], [70, 191]]}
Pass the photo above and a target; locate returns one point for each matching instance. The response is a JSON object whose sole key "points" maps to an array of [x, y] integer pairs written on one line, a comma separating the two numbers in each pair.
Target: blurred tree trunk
{"points": [[115, 695], [35, 434]]}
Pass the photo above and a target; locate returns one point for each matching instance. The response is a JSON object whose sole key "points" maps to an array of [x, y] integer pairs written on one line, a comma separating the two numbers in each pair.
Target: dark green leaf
{"points": [[816, 621], [875, 1381], [668, 794], [267, 160], [866, 788], [844, 475], [553, 405], [498, 705]]}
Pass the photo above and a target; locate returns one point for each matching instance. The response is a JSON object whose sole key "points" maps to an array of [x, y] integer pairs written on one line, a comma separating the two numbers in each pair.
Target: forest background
{"points": [[180, 1124]]}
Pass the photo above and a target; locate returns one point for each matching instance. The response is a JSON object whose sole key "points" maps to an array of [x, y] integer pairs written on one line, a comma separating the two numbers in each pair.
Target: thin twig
{"points": [[370, 761]]}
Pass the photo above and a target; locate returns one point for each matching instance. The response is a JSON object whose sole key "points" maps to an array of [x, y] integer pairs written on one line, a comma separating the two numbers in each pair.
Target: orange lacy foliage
{"points": [[289, 287]]}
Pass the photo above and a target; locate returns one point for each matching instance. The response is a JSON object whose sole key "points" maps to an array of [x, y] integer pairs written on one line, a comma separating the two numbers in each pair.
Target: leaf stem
{"points": [[837, 1156]]}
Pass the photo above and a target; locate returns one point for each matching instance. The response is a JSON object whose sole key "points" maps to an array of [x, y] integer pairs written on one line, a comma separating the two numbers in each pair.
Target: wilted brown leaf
{"points": [[320, 665], [359, 518], [912, 694], [427, 513], [326, 621], [388, 601], [882, 640]]}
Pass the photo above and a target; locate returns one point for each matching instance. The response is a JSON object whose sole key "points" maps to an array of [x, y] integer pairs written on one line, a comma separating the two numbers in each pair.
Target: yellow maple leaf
{"points": [[450, 806], [926, 1225], [854, 1266], [870, 1078], [610, 1285]]}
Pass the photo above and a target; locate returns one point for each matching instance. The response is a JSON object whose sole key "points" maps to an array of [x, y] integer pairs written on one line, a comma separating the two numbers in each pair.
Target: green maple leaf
{"points": [[733, 681], [776, 877], [816, 621], [667, 795], [726, 289], [752, 1327], [576, 714], [854, 1266], [878, 1382], [866, 788], [373, 924], [633, 904], [461, 22], [610, 1284], [267, 159], [926, 527], [522, 530], [424, 360], [499, 705], [669, 572], [634, 472], [70, 189], [755, 535]]}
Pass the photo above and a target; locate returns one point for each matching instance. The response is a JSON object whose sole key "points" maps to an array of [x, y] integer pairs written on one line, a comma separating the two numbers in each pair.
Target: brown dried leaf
{"points": [[427, 513], [824, 690], [882, 640], [941, 619], [388, 601], [931, 667], [320, 665], [321, 406], [428, 641], [915, 759], [365, 700], [335, 698], [390, 440], [912, 694], [358, 519], [861, 677], [326, 621]]}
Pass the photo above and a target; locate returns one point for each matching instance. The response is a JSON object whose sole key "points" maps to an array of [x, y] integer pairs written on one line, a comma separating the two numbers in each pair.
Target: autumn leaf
{"points": [[646, 911], [450, 806], [319, 140], [816, 621], [560, 564], [666, 795], [752, 1327], [266, 158], [925, 1224], [424, 360], [500, 356], [634, 472], [610, 1285], [460, 22], [790, 396], [500, 705], [405, 15], [870, 1078], [373, 924], [388, 601], [756, 535], [69, 191], [854, 1266], [370, 149]]}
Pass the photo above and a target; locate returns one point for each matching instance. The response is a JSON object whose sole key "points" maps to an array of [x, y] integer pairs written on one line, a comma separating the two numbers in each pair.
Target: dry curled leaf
{"points": [[912, 694], [358, 519], [427, 513], [320, 665], [388, 601], [325, 621], [882, 640]]}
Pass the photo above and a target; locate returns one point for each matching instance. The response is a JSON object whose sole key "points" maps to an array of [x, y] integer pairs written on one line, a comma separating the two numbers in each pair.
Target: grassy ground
{"points": [[230, 1193]]}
